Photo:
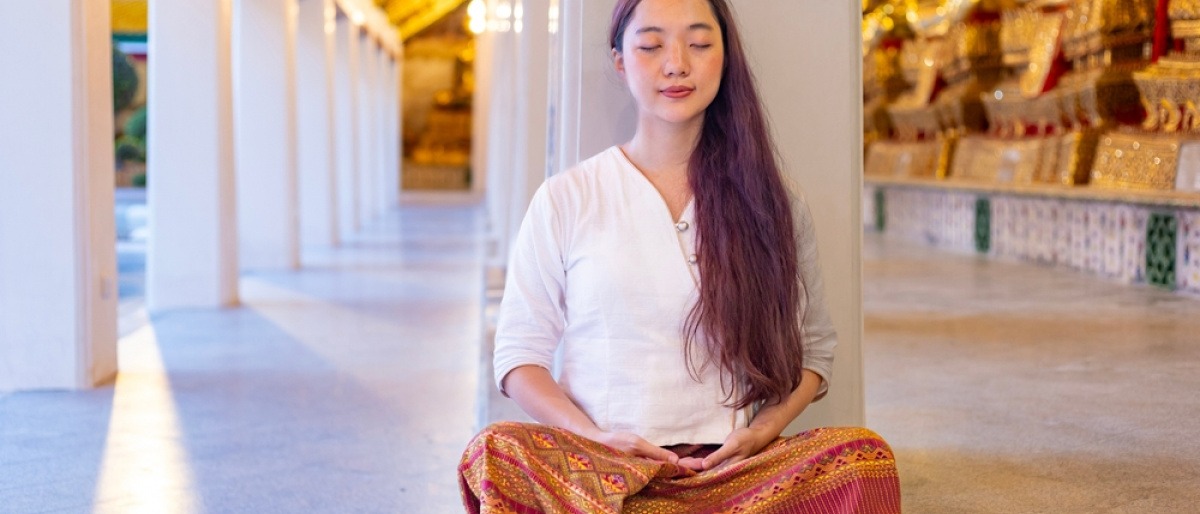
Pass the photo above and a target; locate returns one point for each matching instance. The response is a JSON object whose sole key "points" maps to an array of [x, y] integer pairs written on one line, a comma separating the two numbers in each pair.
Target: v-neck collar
{"points": [[684, 215]]}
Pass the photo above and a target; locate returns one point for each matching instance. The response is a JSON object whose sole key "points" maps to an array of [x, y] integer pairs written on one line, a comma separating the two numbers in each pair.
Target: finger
{"points": [[736, 458], [692, 463], [722, 454], [656, 453]]}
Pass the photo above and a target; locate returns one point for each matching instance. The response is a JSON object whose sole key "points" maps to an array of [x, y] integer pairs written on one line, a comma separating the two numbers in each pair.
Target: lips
{"points": [[677, 91]]}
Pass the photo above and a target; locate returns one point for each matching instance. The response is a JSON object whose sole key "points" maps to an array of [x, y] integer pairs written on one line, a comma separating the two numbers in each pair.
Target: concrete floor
{"points": [[351, 387]]}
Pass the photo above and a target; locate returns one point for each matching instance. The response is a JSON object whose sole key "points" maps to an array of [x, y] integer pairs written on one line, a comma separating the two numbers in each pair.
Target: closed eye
{"points": [[649, 48], [702, 46]]}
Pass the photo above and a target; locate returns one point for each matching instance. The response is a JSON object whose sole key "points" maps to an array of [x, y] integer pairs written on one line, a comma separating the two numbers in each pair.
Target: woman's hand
{"points": [[766, 427], [740, 445], [634, 445]]}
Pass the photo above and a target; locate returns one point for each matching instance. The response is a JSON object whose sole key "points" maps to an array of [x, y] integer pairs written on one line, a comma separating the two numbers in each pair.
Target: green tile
{"points": [[1162, 234], [880, 209], [983, 224]]}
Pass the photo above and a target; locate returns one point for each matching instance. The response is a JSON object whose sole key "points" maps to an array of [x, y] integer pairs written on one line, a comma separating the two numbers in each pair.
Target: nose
{"points": [[677, 64]]}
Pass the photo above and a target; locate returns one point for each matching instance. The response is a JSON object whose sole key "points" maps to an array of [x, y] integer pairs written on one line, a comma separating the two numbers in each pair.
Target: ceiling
{"points": [[410, 16], [413, 16]]}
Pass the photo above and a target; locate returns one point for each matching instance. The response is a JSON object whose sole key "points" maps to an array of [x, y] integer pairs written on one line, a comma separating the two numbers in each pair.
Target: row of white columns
{"points": [[272, 124], [285, 72], [549, 98]]}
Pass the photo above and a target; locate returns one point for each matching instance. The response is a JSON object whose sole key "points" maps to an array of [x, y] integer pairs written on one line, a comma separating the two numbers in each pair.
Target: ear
{"points": [[618, 62]]}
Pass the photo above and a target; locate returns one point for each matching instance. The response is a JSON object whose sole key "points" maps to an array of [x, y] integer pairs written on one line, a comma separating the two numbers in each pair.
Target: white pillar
{"points": [[317, 165], [192, 256], [596, 110], [530, 122], [802, 90], [481, 106], [58, 294], [382, 116], [376, 182], [500, 141], [392, 144], [366, 129], [265, 130], [345, 94], [374, 89]]}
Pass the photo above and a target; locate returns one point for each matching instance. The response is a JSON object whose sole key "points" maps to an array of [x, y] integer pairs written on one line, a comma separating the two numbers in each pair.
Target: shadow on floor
{"points": [[335, 390]]}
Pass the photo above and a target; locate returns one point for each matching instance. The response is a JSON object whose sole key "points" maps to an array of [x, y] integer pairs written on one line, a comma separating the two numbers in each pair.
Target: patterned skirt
{"points": [[529, 468]]}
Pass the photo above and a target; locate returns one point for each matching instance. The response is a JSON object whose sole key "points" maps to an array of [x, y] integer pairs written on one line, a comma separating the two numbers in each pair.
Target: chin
{"points": [[677, 117]]}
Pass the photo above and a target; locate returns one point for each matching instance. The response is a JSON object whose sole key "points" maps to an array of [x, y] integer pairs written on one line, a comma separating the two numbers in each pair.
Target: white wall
{"points": [[58, 294]]}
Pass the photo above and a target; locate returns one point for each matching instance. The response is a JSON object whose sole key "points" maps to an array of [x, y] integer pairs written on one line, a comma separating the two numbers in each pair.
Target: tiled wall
{"points": [[941, 218], [1188, 272], [1102, 238]]}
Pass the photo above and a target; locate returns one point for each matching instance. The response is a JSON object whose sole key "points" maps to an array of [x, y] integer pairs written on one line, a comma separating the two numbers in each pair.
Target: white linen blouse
{"points": [[600, 268]]}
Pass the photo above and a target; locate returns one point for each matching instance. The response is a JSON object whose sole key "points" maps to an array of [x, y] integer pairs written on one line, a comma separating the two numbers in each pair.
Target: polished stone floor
{"points": [[346, 387], [352, 386], [1011, 387]]}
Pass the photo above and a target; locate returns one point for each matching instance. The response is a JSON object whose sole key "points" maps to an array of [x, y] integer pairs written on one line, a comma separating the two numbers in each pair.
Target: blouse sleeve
{"points": [[817, 331], [532, 310]]}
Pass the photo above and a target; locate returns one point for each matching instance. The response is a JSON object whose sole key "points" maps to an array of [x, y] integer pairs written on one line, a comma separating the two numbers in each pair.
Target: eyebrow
{"points": [[694, 26]]}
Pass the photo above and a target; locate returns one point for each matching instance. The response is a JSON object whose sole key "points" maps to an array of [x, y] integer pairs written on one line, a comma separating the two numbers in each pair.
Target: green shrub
{"points": [[138, 180], [136, 124], [125, 80], [130, 148]]}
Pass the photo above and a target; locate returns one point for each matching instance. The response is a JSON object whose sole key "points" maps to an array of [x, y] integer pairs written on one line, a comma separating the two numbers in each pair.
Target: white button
{"points": [[682, 226], [692, 259]]}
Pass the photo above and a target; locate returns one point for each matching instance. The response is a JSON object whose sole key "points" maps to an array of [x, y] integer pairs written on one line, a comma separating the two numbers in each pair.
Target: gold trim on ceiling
{"points": [[413, 16]]}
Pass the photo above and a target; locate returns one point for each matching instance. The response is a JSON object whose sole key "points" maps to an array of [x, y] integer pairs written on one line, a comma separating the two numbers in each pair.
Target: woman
{"points": [[680, 279]]}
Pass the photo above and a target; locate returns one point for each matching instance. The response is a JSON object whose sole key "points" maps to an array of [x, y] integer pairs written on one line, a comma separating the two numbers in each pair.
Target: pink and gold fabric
{"points": [[529, 468]]}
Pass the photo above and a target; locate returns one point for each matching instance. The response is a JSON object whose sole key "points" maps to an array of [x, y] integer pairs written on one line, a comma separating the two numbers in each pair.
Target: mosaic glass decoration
{"points": [[983, 225], [1097, 219], [1077, 218], [1188, 274], [1161, 235], [880, 210], [1133, 223]]}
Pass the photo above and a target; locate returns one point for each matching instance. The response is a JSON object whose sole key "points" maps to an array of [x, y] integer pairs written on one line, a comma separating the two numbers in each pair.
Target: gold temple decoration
{"points": [[1032, 92], [883, 78], [943, 58], [1147, 157], [1069, 79], [130, 16]]}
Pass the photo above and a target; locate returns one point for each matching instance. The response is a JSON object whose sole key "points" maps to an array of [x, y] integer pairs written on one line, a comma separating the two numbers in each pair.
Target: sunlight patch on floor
{"points": [[144, 466]]}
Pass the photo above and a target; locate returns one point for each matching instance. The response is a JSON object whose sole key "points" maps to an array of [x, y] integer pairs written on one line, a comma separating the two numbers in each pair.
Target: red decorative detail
{"points": [[1058, 68], [982, 16], [1162, 28]]}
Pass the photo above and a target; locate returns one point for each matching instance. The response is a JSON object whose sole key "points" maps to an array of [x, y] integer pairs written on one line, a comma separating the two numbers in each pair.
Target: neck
{"points": [[660, 148]]}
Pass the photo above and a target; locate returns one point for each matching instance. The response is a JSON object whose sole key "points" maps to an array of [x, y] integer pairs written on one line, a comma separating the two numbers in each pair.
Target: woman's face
{"points": [[672, 58]]}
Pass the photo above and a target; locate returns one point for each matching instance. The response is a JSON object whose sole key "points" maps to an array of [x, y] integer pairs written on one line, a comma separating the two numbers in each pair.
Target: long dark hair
{"points": [[750, 288]]}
